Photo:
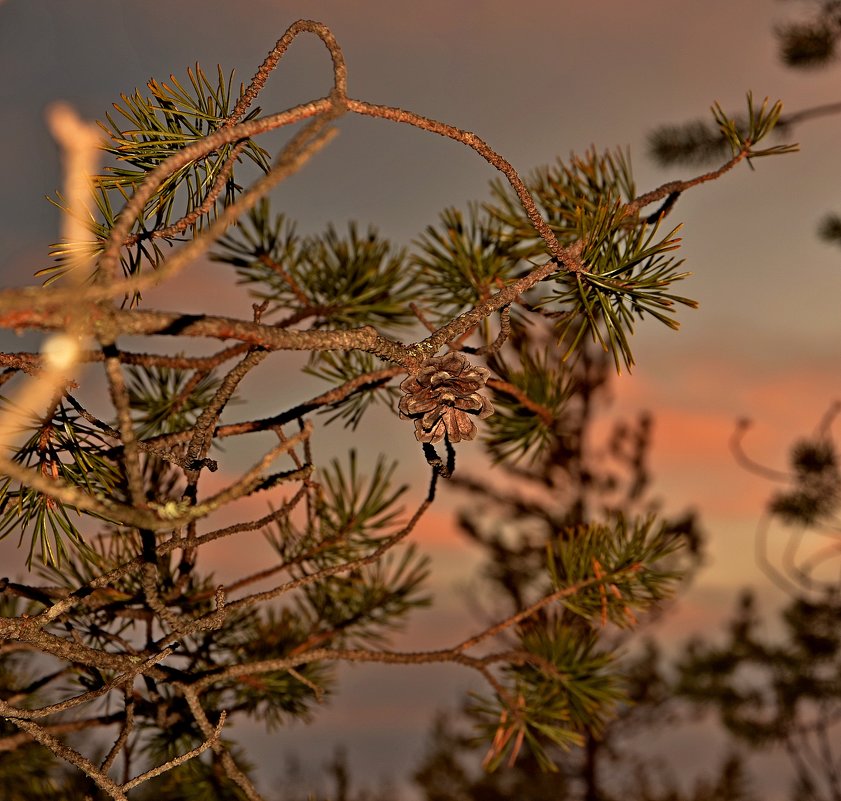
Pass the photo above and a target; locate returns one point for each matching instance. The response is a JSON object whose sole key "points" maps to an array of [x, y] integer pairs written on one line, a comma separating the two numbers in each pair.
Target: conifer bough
{"points": [[116, 511]]}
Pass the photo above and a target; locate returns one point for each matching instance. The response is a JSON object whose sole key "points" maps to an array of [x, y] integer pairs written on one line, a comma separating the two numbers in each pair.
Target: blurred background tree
{"points": [[806, 43]]}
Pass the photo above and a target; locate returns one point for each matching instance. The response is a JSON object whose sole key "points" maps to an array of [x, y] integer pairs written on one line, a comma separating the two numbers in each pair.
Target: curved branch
{"points": [[278, 51], [564, 256], [109, 258], [209, 202], [746, 462], [673, 189]]}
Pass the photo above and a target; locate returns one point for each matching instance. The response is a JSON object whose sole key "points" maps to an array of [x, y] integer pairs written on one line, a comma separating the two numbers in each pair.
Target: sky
{"points": [[537, 79]]}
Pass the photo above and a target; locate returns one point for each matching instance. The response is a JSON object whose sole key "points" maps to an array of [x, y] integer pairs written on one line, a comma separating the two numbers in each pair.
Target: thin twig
{"points": [[502, 336], [122, 737], [14, 741], [565, 258], [210, 732], [181, 759], [277, 52], [202, 429], [120, 400], [745, 461], [65, 752], [676, 188], [209, 202], [506, 387]]}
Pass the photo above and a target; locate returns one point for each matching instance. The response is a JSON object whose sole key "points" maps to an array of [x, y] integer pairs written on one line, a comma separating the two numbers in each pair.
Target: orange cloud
{"points": [[696, 405]]}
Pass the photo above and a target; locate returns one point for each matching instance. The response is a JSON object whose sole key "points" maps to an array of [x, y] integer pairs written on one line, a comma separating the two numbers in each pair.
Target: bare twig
{"points": [[211, 733], [65, 752], [14, 741], [211, 740], [122, 737]]}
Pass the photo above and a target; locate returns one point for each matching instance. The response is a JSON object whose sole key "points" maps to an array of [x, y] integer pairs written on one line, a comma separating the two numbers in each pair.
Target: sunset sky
{"points": [[537, 79]]}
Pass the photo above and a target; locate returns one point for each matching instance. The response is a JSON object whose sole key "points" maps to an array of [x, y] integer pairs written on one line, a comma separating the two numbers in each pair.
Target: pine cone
{"points": [[442, 396]]}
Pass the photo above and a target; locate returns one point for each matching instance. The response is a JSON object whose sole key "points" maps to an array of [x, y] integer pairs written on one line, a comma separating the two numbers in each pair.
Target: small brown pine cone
{"points": [[443, 396]]}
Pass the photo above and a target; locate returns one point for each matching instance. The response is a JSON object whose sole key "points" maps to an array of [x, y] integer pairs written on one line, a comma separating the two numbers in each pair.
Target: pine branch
{"points": [[133, 601]]}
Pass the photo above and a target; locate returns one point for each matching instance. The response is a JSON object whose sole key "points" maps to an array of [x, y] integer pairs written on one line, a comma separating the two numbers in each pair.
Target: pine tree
{"points": [[120, 634], [574, 486], [781, 689]]}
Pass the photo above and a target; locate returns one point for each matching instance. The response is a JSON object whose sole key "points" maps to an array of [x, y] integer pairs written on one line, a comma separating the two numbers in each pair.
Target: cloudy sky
{"points": [[537, 79]]}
